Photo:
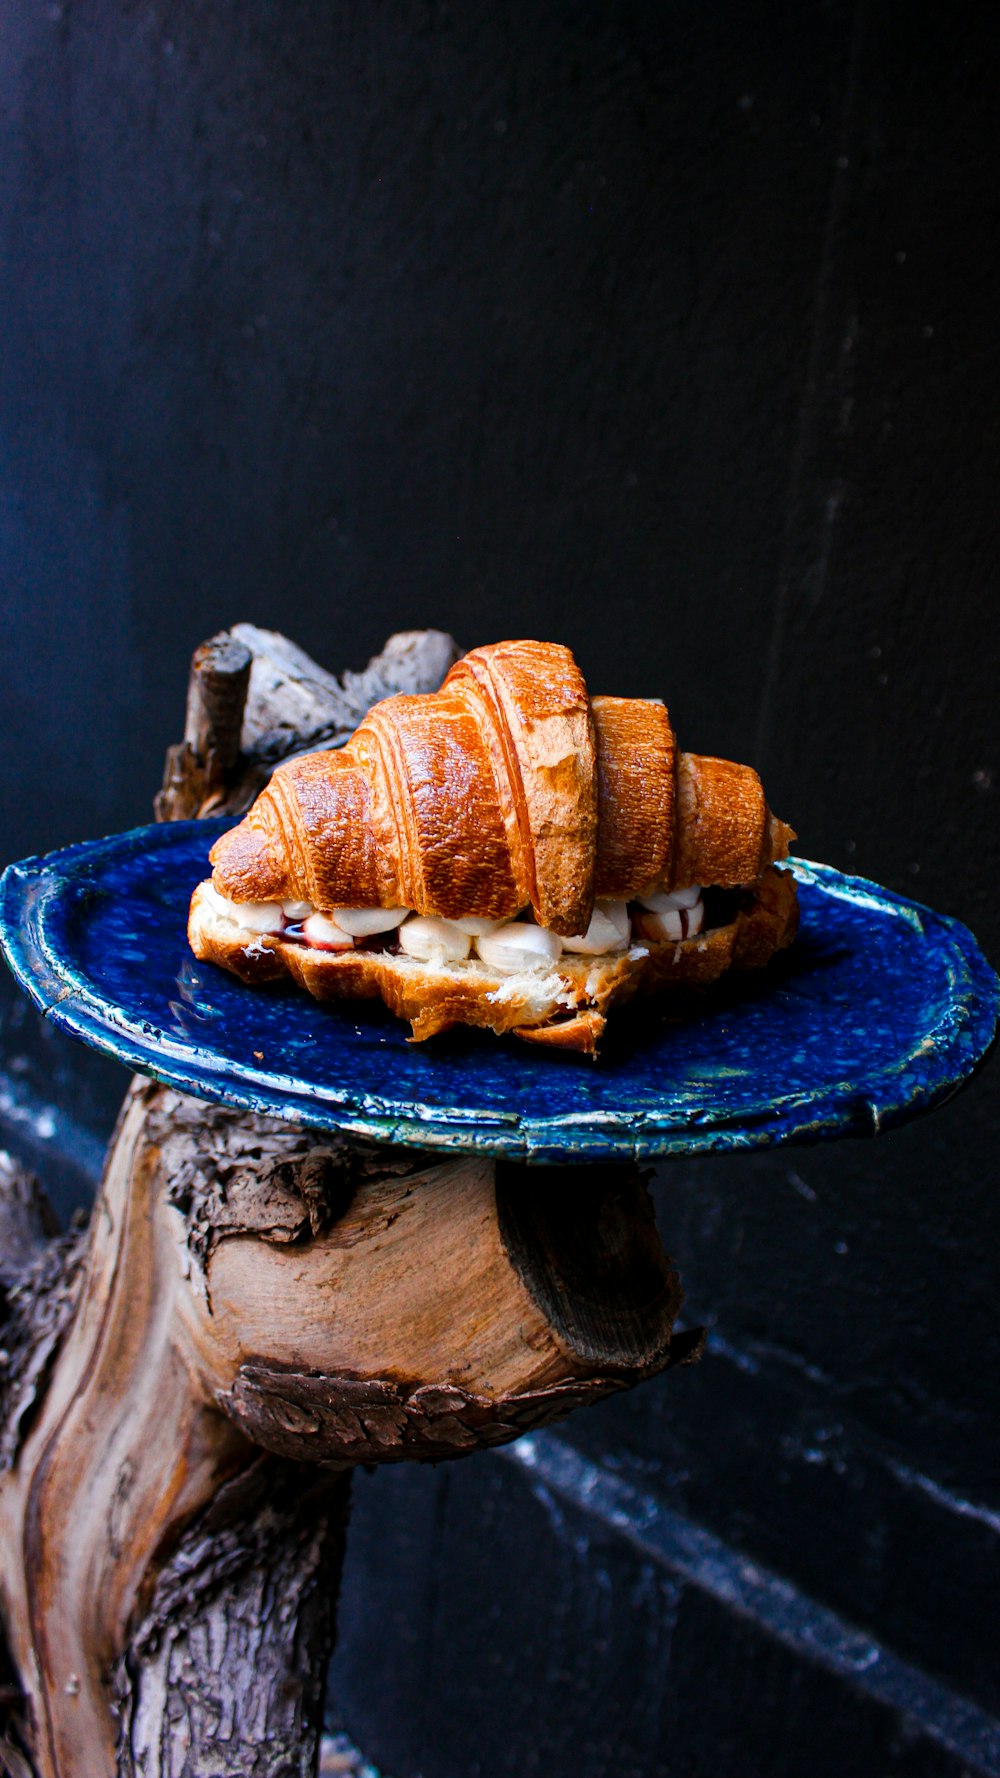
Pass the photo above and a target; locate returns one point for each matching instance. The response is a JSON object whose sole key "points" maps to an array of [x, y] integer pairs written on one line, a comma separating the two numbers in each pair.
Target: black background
{"points": [[671, 332]]}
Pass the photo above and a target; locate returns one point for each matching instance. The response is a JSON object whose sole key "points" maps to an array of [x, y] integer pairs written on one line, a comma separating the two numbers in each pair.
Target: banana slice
{"points": [[325, 934], [672, 923], [662, 901], [609, 930], [431, 940], [476, 926], [366, 922], [515, 946]]}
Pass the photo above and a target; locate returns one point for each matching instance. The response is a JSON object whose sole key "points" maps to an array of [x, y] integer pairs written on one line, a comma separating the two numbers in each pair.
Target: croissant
{"points": [[506, 852]]}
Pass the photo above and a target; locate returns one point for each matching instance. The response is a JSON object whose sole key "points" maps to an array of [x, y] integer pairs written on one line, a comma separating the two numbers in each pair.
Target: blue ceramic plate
{"points": [[880, 1009]]}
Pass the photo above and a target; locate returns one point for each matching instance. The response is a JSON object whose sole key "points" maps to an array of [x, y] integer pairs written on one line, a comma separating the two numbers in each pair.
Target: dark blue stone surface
{"points": [[879, 1010]]}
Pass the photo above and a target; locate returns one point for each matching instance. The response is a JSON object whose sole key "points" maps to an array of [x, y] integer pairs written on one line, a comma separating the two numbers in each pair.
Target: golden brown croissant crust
{"points": [[510, 788], [506, 788]]}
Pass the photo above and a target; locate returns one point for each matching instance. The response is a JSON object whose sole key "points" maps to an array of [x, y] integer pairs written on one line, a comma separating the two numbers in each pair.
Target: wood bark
{"points": [[254, 1310], [254, 698]]}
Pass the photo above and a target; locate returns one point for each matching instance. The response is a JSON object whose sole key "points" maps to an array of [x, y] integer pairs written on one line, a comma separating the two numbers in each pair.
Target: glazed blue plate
{"points": [[879, 1010]]}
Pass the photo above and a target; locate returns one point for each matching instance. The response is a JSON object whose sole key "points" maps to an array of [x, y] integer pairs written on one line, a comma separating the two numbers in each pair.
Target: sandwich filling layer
{"points": [[507, 947]]}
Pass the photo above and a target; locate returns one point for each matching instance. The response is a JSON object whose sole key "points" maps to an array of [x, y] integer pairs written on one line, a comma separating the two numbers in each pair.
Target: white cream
{"points": [[477, 927], [609, 930], [366, 922], [297, 910], [254, 916], [518, 946], [431, 940], [217, 902], [260, 916]]}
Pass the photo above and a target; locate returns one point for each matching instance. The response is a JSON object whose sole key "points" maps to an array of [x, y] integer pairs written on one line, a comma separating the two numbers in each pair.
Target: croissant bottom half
{"points": [[563, 1008]]}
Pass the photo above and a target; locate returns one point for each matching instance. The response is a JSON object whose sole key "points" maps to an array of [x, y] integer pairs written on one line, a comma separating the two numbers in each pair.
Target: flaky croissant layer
{"points": [[509, 788]]}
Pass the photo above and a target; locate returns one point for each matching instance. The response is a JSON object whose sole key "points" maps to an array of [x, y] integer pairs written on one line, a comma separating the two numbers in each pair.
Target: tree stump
{"points": [[186, 1384]]}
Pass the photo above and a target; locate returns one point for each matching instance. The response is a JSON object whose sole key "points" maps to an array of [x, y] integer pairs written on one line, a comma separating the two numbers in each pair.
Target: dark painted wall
{"points": [[669, 331]]}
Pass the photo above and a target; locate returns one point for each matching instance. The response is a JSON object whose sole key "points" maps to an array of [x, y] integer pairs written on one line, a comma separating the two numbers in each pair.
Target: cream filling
{"points": [[514, 948]]}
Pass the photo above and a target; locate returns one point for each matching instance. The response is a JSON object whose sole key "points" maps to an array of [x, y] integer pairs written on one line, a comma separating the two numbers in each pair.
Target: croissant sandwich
{"points": [[506, 852]]}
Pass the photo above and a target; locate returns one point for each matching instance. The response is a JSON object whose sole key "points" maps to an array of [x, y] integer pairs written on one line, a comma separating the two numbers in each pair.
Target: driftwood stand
{"points": [[186, 1384]]}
